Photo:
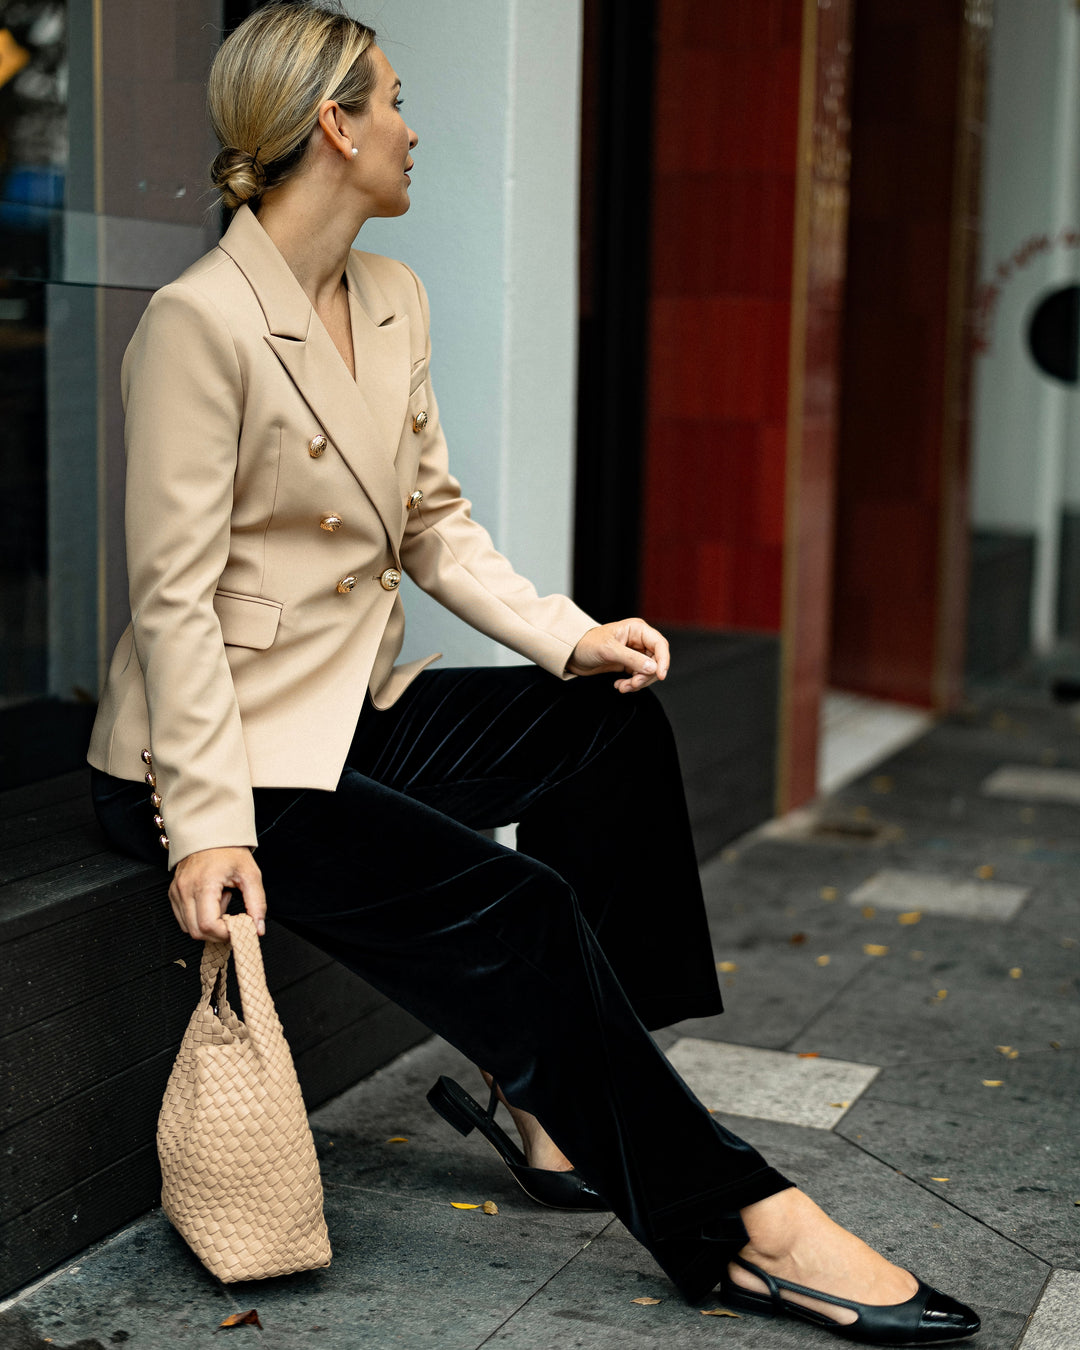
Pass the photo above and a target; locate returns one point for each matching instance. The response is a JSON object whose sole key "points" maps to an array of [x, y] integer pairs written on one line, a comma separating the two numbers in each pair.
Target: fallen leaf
{"points": [[985, 872], [1055, 1045], [727, 967], [941, 995], [992, 1082], [841, 1106], [809, 1054], [457, 1204], [868, 911], [490, 1207], [823, 960], [723, 1312], [180, 962], [1016, 972], [647, 1302], [916, 956], [935, 1225], [796, 939], [397, 1139], [875, 949], [1003, 1049], [250, 1318], [939, 1178], [828, 893], [912, 916]]}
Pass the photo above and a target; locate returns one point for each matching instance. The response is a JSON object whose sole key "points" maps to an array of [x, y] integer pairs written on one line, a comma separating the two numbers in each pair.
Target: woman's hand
{"points": [[630, 646], [202, 887]]}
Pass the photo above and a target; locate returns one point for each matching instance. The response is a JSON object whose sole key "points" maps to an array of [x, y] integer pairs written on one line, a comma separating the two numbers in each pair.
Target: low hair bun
{"points": [[238, 176]]}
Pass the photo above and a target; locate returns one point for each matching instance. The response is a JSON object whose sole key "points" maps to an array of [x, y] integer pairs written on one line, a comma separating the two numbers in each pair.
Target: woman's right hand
{"points": [[202, 887]]}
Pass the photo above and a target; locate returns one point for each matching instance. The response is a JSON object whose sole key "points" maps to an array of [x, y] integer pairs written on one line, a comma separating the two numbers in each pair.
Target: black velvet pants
{"points": [[544, 965]]}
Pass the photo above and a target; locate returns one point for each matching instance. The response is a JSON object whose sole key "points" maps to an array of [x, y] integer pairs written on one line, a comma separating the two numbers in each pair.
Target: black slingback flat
{"points": [[558, 1190], [927, 1318]]}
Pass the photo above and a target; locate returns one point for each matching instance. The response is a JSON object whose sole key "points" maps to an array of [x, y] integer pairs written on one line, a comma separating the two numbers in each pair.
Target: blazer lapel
{"points": [[363, 418]]}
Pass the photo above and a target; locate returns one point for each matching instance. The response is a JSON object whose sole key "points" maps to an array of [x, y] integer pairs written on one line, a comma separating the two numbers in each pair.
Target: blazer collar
{"points": [[363, 418]]}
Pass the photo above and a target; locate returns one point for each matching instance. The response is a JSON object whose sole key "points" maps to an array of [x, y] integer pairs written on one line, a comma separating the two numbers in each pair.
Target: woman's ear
{"points": [[335, 129]]}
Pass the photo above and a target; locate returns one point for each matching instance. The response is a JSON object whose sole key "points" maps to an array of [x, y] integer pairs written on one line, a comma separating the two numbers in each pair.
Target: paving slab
{"points": [[919, 892], [1020, 1179], [1034, 783], [768, 1084], [1055, 1323]]}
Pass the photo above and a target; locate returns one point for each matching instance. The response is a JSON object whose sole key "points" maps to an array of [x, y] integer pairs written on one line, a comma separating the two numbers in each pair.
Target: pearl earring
{"points": [[355, 151]]}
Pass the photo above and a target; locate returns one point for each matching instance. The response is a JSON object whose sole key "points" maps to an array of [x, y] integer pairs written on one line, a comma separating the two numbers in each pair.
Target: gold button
{"points": [[155, 800], [149, 779], [346, 584], [147, 758], [390, 579], [331, 523], [415, 498], [317, 445], [419, 422], [163, 840], [159, 821]]}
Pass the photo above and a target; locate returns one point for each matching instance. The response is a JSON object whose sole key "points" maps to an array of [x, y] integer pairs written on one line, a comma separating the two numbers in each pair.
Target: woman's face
{"points": [[384, 141]]}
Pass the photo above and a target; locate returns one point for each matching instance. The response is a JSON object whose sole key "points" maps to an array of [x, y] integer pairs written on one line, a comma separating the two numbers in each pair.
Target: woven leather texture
{"points": [[239, 1177]]}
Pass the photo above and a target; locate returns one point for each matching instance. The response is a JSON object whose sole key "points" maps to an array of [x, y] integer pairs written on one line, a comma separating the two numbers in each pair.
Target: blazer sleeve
{"points": [[183, 402], [453, 558]]}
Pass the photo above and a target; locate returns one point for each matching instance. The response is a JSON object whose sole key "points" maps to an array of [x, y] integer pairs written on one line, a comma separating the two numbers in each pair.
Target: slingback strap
{"points": [[774, 1284]]}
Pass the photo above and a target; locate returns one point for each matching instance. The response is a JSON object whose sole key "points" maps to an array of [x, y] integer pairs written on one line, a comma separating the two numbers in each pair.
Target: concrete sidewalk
{"points": [[900, 965]]}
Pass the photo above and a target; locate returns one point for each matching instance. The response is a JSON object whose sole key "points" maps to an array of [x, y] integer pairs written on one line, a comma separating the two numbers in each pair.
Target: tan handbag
{"points": [[239, 1177]]}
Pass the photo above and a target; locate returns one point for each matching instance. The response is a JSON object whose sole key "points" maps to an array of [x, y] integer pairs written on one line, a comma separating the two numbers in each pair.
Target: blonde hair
{"points": [[267, 82]]}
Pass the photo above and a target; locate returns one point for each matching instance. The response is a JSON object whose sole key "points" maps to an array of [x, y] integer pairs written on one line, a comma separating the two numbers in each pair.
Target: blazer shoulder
{"points": [[397, 280]]}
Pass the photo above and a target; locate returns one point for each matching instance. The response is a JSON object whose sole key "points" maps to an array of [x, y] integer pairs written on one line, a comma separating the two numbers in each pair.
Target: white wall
{"points": [[492, 89], [1026, 425]]}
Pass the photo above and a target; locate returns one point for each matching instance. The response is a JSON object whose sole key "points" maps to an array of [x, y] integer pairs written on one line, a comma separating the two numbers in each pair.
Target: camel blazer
{"points": [[272, 503]]}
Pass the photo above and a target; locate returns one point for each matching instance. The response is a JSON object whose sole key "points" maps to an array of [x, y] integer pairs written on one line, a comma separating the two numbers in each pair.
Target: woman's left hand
{"points": [[630, 646]]}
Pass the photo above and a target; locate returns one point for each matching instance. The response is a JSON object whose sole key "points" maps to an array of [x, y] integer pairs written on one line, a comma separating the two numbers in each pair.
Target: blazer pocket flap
{"points": [[247, 620]]}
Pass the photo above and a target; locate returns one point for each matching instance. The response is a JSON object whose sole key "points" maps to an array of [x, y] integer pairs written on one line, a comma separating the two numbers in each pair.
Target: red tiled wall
{"points": [[727, 112]]}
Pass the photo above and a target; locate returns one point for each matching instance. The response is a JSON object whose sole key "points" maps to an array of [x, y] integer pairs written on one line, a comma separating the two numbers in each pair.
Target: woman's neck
{"points": [[314, 242]]}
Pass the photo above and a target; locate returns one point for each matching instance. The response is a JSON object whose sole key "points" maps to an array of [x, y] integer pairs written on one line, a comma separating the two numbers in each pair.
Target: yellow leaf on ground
{"points": [[828, 893], [723, 1312], [457, 1204], [250, 1318], [985, 872], [1014, 1054], [180, 962], [1016, 972], [912, 916], [1003, 1049], [868, 911], [809, 1054], [841, 1106], [1055, 1045], [916, 956], [992, 1082], [647, 1302], [727, 966], [823, 960], [941, 995], [397, 1139], [490, 1207], [939, 1178], [875, 949]]}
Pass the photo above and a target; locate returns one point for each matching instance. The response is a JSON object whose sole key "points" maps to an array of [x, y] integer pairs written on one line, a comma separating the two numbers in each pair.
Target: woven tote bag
{"points": [[239, 1177]]}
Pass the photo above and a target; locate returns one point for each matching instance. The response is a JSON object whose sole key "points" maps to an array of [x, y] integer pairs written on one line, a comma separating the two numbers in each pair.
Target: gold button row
{"points": [[150, 779]]}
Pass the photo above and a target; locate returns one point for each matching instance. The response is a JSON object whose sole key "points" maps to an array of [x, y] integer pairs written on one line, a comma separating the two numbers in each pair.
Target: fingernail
{"points": [[260, 928], [649, 668]]}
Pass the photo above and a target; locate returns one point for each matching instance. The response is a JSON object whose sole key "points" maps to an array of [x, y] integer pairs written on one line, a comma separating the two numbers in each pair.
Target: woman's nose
{"points": [[413, 138]]}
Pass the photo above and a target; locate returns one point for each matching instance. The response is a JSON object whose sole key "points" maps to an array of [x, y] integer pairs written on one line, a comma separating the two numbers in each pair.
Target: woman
{"points": [[285, 465]]}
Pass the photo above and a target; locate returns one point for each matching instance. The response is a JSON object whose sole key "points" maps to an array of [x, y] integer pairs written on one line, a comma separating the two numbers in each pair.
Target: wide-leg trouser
{"points": [[544, 965]]}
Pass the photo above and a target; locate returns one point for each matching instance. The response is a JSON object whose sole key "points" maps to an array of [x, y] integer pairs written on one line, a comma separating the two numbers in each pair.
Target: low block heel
{"points": [[558, 1190], [453, 1103]]}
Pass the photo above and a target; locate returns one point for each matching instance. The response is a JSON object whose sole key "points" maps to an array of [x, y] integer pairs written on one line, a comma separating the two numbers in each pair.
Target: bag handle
{"points": [[257, 1007]]}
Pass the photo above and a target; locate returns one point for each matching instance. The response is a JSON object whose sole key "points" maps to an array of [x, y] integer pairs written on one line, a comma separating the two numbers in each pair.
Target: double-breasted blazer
{"points": [[272, 503]]}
